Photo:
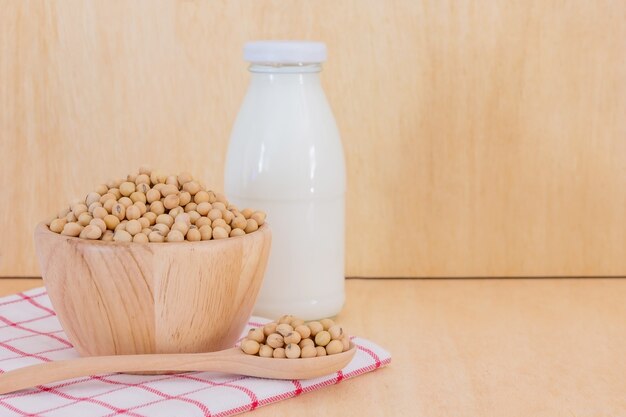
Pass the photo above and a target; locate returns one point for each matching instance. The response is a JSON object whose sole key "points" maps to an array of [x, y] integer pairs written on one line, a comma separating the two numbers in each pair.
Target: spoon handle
{"points": [[45, 373]]}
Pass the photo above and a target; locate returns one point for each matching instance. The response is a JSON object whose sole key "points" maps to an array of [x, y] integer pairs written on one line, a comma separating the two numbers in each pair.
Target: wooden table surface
{"points": [[484, 347]]}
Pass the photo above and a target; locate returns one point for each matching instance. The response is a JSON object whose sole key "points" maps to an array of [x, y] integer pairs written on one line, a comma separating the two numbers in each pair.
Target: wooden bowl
{"points": [[116, 298]]}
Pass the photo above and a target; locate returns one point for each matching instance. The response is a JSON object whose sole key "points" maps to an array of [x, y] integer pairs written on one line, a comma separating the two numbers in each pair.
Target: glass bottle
{"points": [[285, 157]]}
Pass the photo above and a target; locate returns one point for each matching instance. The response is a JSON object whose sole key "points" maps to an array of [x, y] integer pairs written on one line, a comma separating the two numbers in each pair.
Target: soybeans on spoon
{"points": [[232, 361]]}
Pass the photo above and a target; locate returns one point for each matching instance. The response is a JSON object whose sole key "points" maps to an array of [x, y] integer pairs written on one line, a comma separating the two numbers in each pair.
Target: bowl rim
{"points": [[43, 228]]}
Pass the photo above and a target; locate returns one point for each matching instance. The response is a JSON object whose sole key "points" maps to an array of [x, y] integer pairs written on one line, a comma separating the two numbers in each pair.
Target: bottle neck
{"points": [[291, 77], [277, 68]]}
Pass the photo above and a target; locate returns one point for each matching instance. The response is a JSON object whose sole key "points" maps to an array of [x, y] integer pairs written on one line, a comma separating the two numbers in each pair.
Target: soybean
{"points": [[275, 340], [251, 347], [293, 337], [256, 334], [335, 332], [308, 352], [322, 338], [292, 351], [72, 229], [279, 353], [266, 351], [92, 232], [284, 329], [334, 347]]}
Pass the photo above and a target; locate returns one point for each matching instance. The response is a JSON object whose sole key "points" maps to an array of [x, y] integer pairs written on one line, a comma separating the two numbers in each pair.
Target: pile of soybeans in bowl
{"points": [[149, 206]]}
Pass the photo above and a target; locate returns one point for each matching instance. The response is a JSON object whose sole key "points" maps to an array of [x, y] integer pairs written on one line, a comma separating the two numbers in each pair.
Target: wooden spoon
{"points": [[232, 361]]}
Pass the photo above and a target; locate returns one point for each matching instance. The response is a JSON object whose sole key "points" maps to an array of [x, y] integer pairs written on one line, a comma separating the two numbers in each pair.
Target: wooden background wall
{"points": [[483, 138]]}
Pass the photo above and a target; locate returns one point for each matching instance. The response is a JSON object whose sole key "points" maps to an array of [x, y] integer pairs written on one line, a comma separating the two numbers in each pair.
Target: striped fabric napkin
{"points": [[30, 334]]}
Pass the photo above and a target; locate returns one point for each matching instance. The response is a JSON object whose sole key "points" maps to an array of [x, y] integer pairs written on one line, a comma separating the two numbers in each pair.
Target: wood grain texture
{"points": [[482, 138], [11, 285], [117, 298], [511, 347]]}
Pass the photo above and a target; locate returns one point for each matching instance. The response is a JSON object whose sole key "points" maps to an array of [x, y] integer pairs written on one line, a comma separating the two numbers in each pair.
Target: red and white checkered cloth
{"points": [[30, 334]]}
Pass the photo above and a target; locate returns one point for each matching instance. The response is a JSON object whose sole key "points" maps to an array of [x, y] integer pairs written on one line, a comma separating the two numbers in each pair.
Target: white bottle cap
{"points": [[284, 52]]}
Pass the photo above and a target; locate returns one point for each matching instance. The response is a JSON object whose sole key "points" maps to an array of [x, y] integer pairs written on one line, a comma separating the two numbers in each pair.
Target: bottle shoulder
{"points": [[285, 141]]}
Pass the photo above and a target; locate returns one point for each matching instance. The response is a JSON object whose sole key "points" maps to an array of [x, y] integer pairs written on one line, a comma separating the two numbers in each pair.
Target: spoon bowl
{"points": [[232, 361]]}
